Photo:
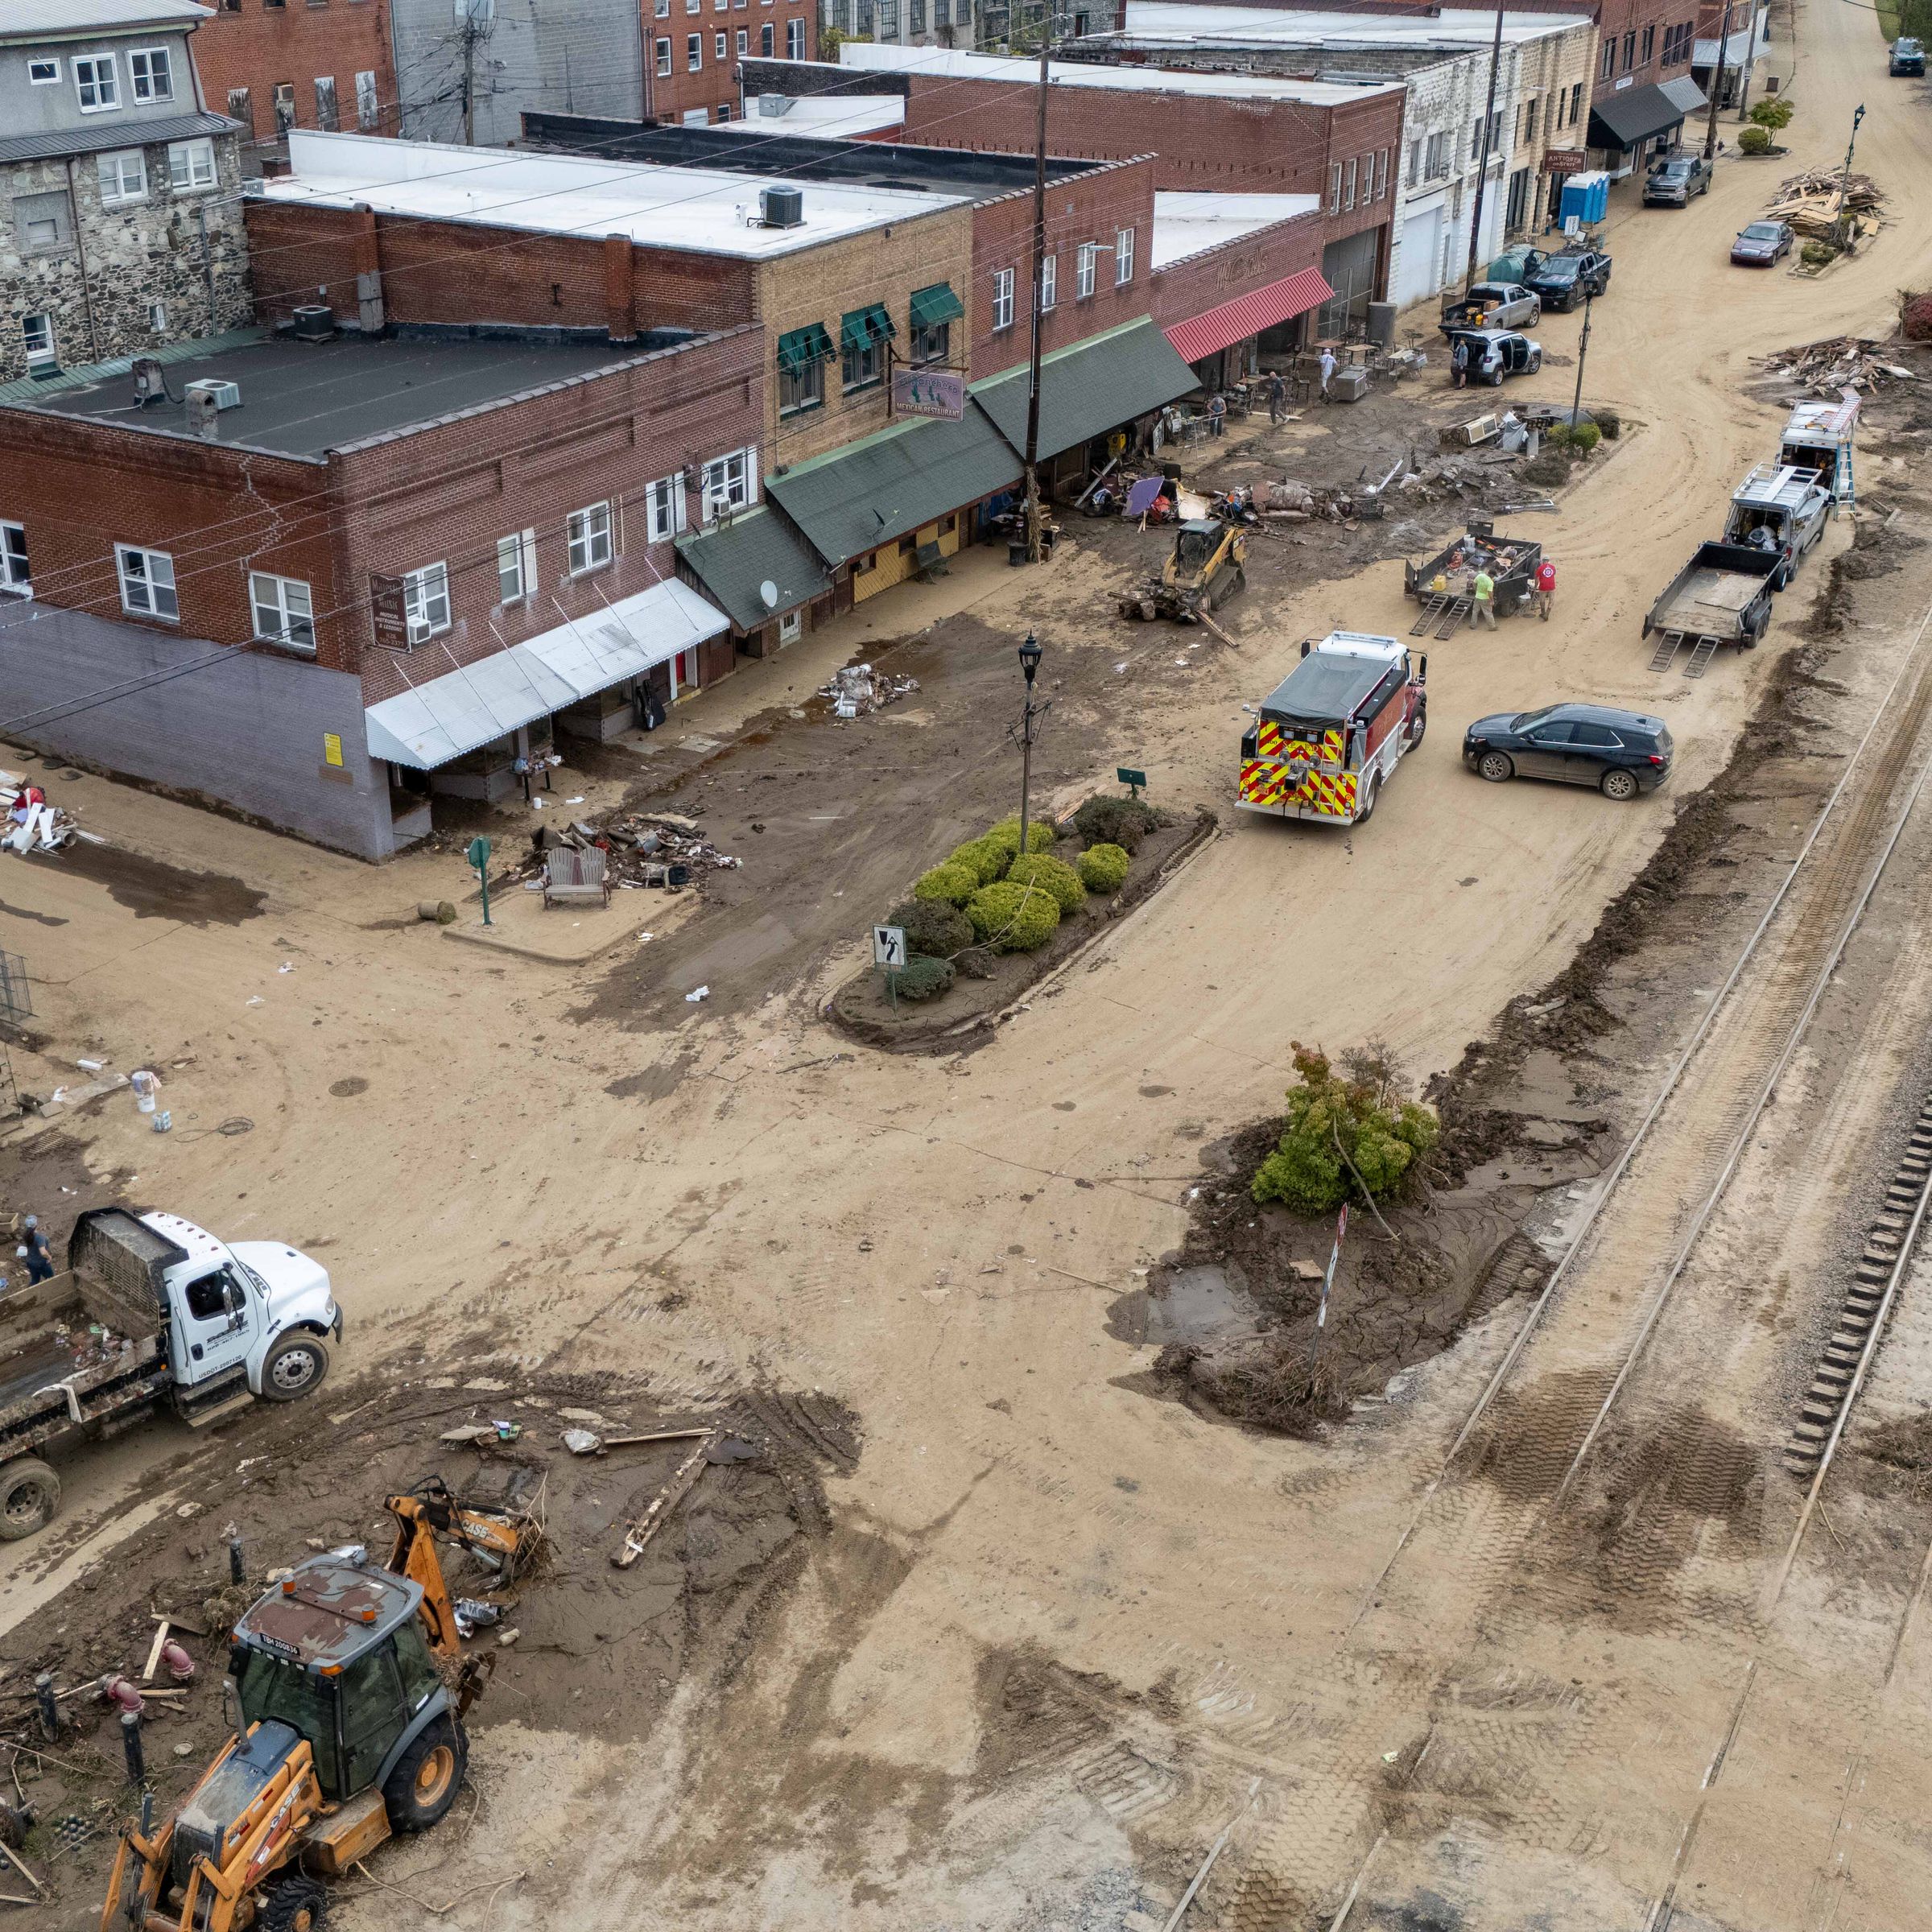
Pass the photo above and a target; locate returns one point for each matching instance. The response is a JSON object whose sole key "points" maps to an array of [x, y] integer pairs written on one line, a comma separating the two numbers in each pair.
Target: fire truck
{"points": [[1323, 746]]}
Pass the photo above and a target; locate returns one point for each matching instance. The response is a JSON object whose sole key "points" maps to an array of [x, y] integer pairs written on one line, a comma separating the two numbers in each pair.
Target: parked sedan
{"points": [[1621, 752], [1908, 57], [1671, 183], [1762, 245]]}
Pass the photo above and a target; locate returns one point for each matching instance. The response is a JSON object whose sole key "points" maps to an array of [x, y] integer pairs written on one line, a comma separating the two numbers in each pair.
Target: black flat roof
{"points": [[759, 146], [301, 398]]}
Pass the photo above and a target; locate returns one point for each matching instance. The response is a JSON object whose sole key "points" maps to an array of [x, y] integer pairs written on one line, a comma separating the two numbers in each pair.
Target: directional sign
{"points": [[1131, 780], [888, 947]]}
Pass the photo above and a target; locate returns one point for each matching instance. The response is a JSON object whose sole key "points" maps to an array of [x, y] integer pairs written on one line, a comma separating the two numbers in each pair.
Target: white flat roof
{"points": [[695, 209], [949, 64], [820, 114], [1154, 23], [1187, 225]]}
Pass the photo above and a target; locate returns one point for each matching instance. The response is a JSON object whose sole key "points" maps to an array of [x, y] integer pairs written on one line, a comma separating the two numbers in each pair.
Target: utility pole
{"points": [[1844, 186], [1743, 79], [1031, 654], [1583, 350], [1033, 517], [1482, 168], [1717, 82]]}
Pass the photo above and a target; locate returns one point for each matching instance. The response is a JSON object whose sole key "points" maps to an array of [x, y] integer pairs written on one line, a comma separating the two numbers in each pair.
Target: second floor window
{"points": [[191, 164], [14, 572], [1607, 65], [516, 567], [727, 483], [590, 539], [149, 76], [284, 611], [95, 82], [1083, 270], [664, 508], [1002, 299], [794, 40], [663, 59], [122, 175], [148, 583], [426, 601], [1123, 257], [694, 51], [1050, 282]]}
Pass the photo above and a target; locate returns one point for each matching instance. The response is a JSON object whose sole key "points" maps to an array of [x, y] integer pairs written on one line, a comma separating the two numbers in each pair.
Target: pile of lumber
{"points": [[1838, 363], [1809, 203]]}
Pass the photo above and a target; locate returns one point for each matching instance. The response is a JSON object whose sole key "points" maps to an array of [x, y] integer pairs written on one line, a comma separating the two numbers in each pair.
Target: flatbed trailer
{"points": [[1442, 583], [1722, 595]]}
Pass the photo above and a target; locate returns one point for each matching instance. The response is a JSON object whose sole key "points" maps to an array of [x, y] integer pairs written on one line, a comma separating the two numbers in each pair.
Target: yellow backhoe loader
{"points": [[345, 1732], [1203, 572]]}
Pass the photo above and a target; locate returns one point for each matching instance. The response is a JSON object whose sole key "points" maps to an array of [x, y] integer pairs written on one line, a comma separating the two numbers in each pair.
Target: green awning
{"points": [[866, 327], [933, 306], [1094, 386], [799, 348]]}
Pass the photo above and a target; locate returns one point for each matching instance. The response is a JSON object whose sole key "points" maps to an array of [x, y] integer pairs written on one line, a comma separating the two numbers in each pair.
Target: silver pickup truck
{"points": [[1779, 508], [1494, 305]]}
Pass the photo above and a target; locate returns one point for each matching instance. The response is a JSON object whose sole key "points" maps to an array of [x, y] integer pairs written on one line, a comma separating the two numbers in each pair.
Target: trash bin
{"points": [[1016, 550]]}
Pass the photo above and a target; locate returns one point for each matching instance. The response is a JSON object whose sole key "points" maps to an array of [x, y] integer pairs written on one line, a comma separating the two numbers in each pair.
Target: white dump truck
{"points": [[152, 1312]]}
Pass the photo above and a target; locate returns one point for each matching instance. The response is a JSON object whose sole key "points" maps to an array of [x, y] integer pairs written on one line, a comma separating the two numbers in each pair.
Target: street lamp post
{"points": [[1030, 653], [1844, 186]]}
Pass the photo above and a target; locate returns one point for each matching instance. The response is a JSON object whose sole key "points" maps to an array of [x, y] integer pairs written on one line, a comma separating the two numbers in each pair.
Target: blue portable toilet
{"points": [[1587, 196]]}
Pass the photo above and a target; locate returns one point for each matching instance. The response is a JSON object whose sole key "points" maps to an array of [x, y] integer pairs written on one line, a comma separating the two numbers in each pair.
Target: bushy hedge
{"points": [[923, 979], [1103, 867], [1040, 835], [1051, 876], [1111, 821], [1330, 1115], [933, 928], [1013, 918], [986, 856], [950, 884], [1816, 253], [1754, 140]]}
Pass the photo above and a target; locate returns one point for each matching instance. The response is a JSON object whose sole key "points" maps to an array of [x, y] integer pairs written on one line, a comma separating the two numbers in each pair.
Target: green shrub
{"points": [[1585, 438], [987, 858], [1773, 111], [923, 979], [1052, 876], [1040, 835], [1013, 918], [976, 963], [1381, 1133], [1753, 140], [935, 928], [1103, 867], [1815, 254], [1609, 422], [1112, 821], [951, 884]]}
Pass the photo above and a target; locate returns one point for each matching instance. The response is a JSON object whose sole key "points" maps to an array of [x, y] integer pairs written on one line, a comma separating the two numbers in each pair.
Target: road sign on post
{"points": [[889, 951], [1131, 780], [479, 858]]}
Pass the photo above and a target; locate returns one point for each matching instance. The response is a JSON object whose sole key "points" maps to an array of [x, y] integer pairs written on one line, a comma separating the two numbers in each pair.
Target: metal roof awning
{"points": [[1091, 388], [799, 348], [1250, 314], [865, 327], [95, 139], [1621, 120], [735, 561], [475, 705], [852, 500], [937, 304]]}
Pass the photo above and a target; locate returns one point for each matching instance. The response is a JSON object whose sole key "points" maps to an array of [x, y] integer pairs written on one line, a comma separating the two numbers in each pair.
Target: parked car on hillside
{"points": [[1908, 57], [1620, 753], [1673, 181], [1761, 244], [1561, 281]]}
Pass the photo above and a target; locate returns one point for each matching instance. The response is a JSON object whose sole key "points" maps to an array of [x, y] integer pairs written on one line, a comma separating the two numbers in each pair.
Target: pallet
{"points": [[1668, 645]]}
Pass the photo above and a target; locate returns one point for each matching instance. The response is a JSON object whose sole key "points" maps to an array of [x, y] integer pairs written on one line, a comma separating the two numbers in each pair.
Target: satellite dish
{"points": [[769, 591]]}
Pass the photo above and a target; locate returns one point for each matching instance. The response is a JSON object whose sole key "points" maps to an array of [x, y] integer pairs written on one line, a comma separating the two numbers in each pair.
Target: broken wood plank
{"points": [[175, 1621], [153, 1652], [654, 1519], [14, 1859], [657, 1436]]}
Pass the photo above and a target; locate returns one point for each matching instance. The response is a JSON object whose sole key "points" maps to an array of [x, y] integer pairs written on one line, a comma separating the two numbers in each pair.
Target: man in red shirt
{"points": [[1544, 583]]}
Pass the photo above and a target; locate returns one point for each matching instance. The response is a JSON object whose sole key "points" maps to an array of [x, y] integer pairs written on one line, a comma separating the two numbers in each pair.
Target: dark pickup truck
{"points": [[1560, 282]]}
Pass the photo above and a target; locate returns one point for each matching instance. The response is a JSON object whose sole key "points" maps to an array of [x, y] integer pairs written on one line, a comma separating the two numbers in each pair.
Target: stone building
{"points": [[123, 226]]}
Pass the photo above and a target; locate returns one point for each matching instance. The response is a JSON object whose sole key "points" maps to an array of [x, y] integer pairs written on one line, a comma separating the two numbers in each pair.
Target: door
{"points": [[1519, 200], [683, 673], [372, 1717], [1593, 749], [1416, 264], [1545, 751], [214, 1322], [1349, 266]]}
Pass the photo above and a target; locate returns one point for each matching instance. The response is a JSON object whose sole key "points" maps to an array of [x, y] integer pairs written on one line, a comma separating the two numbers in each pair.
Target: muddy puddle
{"points": [[152, 888], [1195, 1306]]}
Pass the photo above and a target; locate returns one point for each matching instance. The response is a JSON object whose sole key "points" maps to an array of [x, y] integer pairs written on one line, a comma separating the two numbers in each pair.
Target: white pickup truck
{"points": [[152, 1311]]}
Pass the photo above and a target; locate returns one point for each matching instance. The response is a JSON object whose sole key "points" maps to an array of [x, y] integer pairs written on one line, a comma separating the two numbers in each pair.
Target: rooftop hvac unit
{"points": [[150, 385], [782, 206], [219, 395], [313, 322], [771, 106]]}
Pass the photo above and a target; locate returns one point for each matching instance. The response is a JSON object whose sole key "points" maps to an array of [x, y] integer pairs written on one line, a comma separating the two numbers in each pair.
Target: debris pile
{"points": [[31, 823], [1809, 203], [660, 849], [1838, 362], [857, 690]]}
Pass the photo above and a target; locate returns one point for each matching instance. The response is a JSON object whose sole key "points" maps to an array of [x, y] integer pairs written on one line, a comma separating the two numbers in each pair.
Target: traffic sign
{"points": [[1133, 779], [888, 947]]}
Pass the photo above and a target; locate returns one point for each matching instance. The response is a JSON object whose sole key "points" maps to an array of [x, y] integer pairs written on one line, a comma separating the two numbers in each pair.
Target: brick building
{"points": [[122, 190], [278, 64], [1212, 132]]}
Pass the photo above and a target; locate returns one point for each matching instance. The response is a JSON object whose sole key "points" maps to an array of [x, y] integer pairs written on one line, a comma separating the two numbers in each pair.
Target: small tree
{"points": [[1346, 1132], [1774, 113]]}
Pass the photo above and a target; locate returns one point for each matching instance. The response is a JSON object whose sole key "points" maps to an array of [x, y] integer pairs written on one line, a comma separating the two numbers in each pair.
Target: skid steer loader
{"points": [[1204, 571], [345, 1732]]}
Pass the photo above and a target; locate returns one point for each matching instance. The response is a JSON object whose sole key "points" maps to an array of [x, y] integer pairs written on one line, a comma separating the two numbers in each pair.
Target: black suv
{"points": [[1621, 752], [1563, 281], [1908, 57]]}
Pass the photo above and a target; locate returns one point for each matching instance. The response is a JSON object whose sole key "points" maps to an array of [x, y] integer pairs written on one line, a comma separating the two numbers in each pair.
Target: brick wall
{"points": [[713, 89], [1092, 208], [246, 44], [1190, 288]]}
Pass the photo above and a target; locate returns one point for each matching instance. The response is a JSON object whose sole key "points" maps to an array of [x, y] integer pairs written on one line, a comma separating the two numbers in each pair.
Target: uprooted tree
{"points": [[1348, 1131]]}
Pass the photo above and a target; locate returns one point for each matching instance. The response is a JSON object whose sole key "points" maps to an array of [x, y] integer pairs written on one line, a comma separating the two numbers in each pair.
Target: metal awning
{"points": [[863, 329], [1621, 120], [936, 305], [1092, 388], [799, 348], [1250, 314], [445, 717]]}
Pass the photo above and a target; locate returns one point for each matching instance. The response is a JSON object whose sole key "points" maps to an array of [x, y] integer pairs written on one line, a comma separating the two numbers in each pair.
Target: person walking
{"points": [[1483, 599], [34, 1251], [1328, 370], [1277, 398], [1459, 363], [1545, 584], [1217, 413]]}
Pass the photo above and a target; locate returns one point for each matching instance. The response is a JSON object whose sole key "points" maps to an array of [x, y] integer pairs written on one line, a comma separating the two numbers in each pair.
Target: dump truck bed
{"points": [[1715, 592]]}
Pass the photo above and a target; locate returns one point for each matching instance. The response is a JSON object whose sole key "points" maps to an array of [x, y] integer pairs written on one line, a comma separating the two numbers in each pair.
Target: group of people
{"points": [[1484, 566]]}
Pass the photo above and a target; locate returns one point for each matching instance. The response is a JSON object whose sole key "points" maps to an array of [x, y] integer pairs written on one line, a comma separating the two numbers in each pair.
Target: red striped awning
{"points": [[1250, 314]]}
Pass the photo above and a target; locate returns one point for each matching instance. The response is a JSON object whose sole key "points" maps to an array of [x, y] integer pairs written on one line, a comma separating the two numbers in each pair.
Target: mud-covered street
{"points": [[1052, 1538]]}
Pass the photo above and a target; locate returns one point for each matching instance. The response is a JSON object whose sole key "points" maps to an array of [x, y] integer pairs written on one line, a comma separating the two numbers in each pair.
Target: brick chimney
{"points": [[620, 295], [369, 271]]}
